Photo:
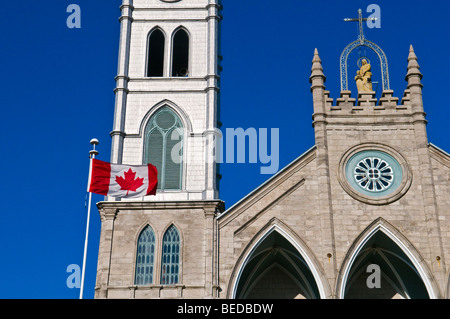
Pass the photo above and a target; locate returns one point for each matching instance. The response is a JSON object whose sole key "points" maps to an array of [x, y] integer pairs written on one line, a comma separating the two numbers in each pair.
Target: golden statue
{"points": [[363, 77]]}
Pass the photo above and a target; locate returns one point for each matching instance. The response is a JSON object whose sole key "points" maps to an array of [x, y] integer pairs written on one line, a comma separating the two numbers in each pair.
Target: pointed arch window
{"points": [[155, 53], [164, 148], [180, 54], [145, 257], [170, 264]]}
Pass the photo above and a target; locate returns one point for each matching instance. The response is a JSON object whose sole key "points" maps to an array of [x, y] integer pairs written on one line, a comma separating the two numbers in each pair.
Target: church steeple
{"points": [[167, 94], [166, 114]]}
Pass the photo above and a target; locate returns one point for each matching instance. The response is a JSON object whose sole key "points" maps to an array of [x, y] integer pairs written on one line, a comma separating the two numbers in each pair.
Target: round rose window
{"points": [[373, 173]]}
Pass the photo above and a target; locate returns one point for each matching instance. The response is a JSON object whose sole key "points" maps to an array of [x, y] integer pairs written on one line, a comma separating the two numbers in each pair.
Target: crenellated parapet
{"points": [[365, 102]]}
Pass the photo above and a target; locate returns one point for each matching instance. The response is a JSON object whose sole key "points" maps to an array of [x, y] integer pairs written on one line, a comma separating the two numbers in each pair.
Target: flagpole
{"points": [[92, 154]]}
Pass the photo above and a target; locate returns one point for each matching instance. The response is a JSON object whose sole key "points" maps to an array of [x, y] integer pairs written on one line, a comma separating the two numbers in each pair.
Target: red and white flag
{"points": [[122, 181]]}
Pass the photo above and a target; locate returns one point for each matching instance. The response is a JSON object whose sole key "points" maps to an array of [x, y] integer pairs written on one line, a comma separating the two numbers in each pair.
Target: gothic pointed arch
{"points": [[178, 110], [180, 52], [145, 257], [402, 271], [276, 254], [164, 147], [171, 256], [156, 43]]}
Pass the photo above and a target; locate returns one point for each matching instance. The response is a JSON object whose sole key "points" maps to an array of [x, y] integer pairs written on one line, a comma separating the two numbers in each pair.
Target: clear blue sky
{"points": [[56, 89]]}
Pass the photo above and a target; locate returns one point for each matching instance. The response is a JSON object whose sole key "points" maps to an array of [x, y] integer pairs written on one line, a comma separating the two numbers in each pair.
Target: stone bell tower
{"points": [[167, 114], [167, 94]]}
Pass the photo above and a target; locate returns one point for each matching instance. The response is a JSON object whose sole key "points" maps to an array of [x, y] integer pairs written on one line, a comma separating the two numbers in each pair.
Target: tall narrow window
{"points": [[164, 148], [145, 257], [180, 54], [170, 257], [155, 57]]}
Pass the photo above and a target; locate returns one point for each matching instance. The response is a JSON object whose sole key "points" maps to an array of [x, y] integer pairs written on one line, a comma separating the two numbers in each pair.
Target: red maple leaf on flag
{"points": [[130, 182]]}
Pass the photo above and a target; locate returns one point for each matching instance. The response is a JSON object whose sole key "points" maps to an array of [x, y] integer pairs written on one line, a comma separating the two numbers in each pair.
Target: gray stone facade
{"points": [[306, 232]]}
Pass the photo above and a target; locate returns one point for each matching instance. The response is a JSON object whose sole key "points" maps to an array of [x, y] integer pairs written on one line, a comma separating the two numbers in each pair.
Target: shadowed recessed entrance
{"points": [[276, 270], [399, 278]]}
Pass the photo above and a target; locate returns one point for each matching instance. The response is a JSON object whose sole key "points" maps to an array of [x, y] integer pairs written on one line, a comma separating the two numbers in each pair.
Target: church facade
{"points": [[362, 214]]}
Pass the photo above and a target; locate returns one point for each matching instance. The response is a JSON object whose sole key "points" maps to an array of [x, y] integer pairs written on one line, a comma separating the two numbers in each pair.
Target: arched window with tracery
{"points": [[170, 263], [145, 257], [164, 148]]}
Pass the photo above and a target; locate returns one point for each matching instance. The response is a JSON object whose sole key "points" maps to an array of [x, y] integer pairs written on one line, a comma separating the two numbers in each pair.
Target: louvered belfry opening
{"points": [[164, 148]]}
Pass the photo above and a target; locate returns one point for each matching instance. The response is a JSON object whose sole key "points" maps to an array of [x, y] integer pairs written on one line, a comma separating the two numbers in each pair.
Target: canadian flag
{"points": [[122, 181]]}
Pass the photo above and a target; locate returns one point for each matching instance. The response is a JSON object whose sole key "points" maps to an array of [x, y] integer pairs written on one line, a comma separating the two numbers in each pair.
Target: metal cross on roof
{"points": [[360, 19], [362, 41]]}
